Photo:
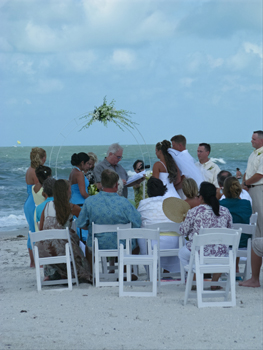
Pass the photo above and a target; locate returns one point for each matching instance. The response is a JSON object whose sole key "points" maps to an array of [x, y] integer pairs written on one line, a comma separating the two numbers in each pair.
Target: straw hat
{"points": [[175, 209]]}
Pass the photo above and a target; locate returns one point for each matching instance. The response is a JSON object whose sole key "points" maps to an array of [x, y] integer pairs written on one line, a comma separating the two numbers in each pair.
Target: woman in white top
{"points": [[166, 170], [151, 210]]}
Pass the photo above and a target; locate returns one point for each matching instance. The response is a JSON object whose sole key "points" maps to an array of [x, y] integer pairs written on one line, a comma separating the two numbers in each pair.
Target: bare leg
{"points": [[237, 264], [215, 278], [32, 262], [256, 262]]}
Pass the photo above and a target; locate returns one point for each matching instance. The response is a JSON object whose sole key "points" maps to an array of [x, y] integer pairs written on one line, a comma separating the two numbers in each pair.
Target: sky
{"points": [[181, 67]]}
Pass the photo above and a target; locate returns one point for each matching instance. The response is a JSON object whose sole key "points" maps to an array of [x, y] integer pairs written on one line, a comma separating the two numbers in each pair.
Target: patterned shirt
{"points": [[203, 216], [107, 209]]}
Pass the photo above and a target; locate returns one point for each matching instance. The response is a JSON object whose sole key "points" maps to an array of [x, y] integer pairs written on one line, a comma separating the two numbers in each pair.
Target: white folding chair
{"points": [[66, 259], [245, 253], [99, 257], [170, 227], [200, 265], [151, 259]]}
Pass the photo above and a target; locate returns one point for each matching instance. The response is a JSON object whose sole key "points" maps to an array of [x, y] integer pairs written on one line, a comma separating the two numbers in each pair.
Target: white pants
{"points": [[184, 256], [171, 264]]}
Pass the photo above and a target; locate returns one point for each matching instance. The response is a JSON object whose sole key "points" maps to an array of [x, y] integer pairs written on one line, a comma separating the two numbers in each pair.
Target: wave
{"points": [[218, 160], [12, 220]]}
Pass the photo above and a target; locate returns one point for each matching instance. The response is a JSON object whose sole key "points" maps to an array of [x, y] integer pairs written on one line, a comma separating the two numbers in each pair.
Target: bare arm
{"points": [[81, 183], [156, 170], [42, 219], [255, 178]]}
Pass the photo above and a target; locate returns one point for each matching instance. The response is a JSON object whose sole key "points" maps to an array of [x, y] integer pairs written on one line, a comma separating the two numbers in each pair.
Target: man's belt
{"points": [[249, 186]]}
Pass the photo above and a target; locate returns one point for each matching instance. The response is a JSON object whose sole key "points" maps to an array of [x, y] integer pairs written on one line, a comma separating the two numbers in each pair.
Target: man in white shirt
{"points": [[184, 160], [221, 176], [208, 168], [253, 178]]}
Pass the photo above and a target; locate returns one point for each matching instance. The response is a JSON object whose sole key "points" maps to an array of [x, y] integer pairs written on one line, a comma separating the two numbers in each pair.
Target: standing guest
{"points": [[138, 166], [166, 169], [42, 172], [253, 179], [79, 183], [58, 214], [190, 190], [256, 262], [47, 193], [38, 157], [151, 210], [92, 161], [114, 156], [238, 173], [209, 214], [184, 160], [107, 208], [208, 168], [221, 177]]}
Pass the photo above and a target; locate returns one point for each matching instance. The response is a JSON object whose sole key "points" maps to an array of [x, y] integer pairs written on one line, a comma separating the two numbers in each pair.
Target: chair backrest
{"points": [[165, 226], [45, 235], [248, 229], [225, 236], [144, 233], [253, 219], [96, 228]]}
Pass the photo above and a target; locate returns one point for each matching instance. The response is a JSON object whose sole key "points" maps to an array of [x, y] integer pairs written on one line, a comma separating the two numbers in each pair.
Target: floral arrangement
{"points": [[92, 189], [107, 113]]}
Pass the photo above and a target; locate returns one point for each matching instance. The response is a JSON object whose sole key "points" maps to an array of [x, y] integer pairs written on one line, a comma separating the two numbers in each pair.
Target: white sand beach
{"points": [[96, 318]]}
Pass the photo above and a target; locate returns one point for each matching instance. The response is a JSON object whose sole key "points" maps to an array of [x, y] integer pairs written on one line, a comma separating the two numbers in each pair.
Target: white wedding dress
{"points": [[171, 191]]}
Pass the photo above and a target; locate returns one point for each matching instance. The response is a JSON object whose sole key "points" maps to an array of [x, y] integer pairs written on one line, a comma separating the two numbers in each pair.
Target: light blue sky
{"points": [[190, 67]]}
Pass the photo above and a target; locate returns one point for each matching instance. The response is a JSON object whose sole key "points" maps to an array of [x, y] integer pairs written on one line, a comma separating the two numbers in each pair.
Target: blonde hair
{"points": [[36, 156], [232, 187], [190, 188], [93, 157]]}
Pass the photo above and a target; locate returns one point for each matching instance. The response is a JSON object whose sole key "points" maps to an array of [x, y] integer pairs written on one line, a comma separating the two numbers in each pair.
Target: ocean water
{"points": [[15, 161]]}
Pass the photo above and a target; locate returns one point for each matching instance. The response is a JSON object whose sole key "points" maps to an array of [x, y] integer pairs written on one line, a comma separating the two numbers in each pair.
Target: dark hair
{"points": [[76, 159], [109, 178], [206, 146], [48, 185], [155, 187], [237, 169], [208, 192], [232, 187], [221, 176], [259, 132], [179, 139], [170, 163], [136, 162], [42, 173], [61, 201]]}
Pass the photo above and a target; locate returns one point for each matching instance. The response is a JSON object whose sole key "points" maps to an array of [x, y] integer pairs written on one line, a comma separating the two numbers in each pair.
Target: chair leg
{"points": [[97, 266], [69, 268], [37, 269], [188, 286], [121, 268]]}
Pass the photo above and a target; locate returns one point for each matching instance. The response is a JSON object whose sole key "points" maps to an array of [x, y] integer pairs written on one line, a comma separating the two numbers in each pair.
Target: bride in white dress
{"points": [[166, 169]]}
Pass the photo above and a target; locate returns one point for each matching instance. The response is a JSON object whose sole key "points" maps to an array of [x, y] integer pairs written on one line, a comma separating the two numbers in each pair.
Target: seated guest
{"points": [[256, 262], [59, 215], [114, 156], [47, 193], [240, 209], [152, 212], [138, 166], [190, 190], [107, 207], [209, 214], [221, 176], [92, 161]]}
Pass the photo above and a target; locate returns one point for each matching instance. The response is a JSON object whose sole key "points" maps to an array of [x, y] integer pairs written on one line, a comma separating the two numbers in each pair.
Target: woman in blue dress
{"points": [[37, 157], [79, 183]]}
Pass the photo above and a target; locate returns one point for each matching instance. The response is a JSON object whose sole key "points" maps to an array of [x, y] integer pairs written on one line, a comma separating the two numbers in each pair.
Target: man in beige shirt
{"points": [[253, 179], [208, 168]]}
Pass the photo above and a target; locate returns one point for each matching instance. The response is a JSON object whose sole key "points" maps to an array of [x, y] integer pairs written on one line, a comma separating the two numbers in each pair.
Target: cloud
{"points": [[187, 82], [222, 19], [46, 86], [253, 48], [123, 58]]}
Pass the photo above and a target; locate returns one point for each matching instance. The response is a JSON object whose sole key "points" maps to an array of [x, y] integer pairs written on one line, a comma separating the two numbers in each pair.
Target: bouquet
{"points": [[107, 113]]}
